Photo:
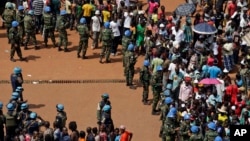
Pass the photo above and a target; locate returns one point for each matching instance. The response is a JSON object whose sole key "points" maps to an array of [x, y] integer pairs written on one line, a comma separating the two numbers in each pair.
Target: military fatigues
{"points": [[20, 20], [184, 130], [210, 135], [145, 77], [164, 110], [196, 137], [8, 16], [157, 89], [148, 47], [15, 43], [169, 129], [84, 36], [100, 105], [130, 67], [11, 124], [62, 24], [106, 38], [125, 43], [29, 26], [49, 22]]}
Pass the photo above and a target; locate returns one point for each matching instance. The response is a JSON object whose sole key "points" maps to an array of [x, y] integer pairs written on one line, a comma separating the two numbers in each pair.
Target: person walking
{"points": [[20, 20], [106, 38], [130, 65], [16, 78], [49, 23], [37, 6], [101, 104], [114, 25], [145, 77], [96, 22], [29, 26], [126, 40], [61, 116], [62, 25], [9, 15], [83, 31]]}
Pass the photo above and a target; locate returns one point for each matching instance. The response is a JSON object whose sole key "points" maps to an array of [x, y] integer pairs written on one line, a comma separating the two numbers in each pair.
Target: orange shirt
{"points": [[82, 139], [125, 136]]}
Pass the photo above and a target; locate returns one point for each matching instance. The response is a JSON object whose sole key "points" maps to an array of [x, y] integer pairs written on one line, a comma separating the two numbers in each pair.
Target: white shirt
{"points": [[179, 36], [68, 5], [96, 26], [115, 28], [127, 3], [171, 68], [243, 23], [220, 87], [127, 20], [215, 48]]}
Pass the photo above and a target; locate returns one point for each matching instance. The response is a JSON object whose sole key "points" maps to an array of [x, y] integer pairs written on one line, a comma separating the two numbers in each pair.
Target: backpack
{"points": [[106, 35], [10, 120], [9, 16], [60, 120]]}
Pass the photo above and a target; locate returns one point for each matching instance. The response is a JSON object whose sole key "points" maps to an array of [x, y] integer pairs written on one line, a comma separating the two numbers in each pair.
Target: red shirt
{"points": [[231, 8], [125, 136], [239, 106]]}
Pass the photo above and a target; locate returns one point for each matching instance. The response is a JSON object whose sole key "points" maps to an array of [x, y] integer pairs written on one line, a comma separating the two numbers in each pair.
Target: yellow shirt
{"points": [[222, 118], [106, 15], [87, 9], [155, 18]]}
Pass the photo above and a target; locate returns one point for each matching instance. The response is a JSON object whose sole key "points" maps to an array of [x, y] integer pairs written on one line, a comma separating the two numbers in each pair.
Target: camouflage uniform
{"points": [[130, 70], [125, 43], [20, 20], [49, 22], [184, 130], [157, 89], [106, 38], [8, 16], [29, 26], [196, 137], [83, 43], [169, 129], [210, 135], [164, 110], [62, 24], [15, 43], [148, 47], [100, 105], [145, 77]]}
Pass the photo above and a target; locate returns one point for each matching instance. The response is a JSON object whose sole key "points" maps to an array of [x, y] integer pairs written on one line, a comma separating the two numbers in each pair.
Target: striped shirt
{"points": [[38, 7]]}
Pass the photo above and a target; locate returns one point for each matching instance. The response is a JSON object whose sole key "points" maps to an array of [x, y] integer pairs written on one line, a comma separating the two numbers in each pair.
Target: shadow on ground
{"points": [[36, 106]]}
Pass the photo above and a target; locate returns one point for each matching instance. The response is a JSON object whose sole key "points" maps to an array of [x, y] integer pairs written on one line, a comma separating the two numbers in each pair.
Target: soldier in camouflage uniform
{"points": [[8, 16], [157, 88], [106, 38], [164, 110], [62, 25], [195, 135], [170, 125], [15, 42], [29, 26], [149, 44], [20, 20], [49, 22], [211, 132], [145, 76], [101, 104], [130, 59], [83, 30], [185, 128], [125, 42]]}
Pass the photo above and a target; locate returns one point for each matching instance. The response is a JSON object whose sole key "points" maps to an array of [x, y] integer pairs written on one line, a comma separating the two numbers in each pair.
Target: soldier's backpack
{"points": [[47, 20], [60, 120], [106, 35], [10, 120], [60, 23], [8, 17]]}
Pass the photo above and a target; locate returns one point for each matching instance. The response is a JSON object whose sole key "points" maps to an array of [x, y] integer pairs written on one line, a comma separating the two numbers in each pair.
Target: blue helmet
{"points": [[168, 100], [33, 115], [10, 107], [169, 86], [172, 112], [159, 68], [105, 95], [218, 138], [31, 12], [211, 126], [146, 63], [14, 24], [166, 93], [20, 8], [131, 47], [20, 88], [106, 24], [47, 9], [24, 106], [127, 33], [1, 105], [15, 95], [194, 129], [63, 12], [83, 21], [186, 117], [17, 70], [59, 107], [106, 108]]}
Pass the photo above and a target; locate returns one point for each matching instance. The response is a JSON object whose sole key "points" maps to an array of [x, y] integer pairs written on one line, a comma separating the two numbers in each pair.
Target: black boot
{"points": [[12, 60], [59, 48], [25, 47], [36, 47], [66, 50]]}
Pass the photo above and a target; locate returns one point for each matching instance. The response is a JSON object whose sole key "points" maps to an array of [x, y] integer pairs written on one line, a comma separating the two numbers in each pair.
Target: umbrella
{"points": [[209, 81], [204, 28], [185, 9]]}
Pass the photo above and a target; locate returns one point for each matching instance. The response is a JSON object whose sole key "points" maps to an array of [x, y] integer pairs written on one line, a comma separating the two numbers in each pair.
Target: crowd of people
{"points": [[177, 60]]}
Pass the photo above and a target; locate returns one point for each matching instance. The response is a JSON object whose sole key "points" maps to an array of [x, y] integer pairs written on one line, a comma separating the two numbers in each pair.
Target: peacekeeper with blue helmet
{"points": [[100, 106]]}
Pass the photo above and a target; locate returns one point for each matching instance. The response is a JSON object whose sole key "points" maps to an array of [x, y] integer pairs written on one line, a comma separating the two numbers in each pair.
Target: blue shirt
{"points": [[214, 71]]}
